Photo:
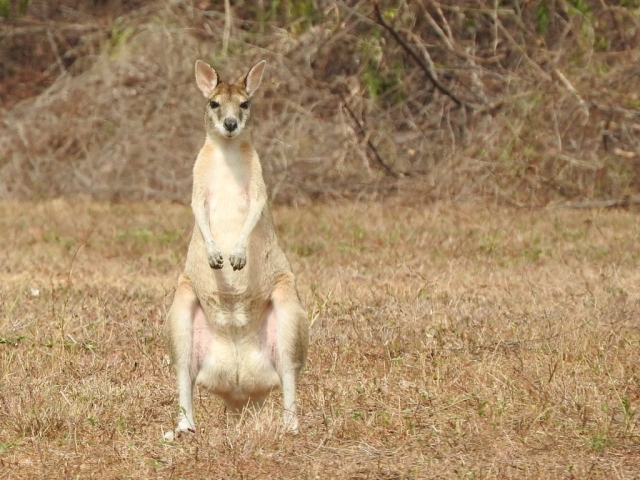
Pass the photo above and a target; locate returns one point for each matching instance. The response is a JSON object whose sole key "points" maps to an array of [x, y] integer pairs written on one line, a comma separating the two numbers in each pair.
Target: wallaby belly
{"points": [[239, 367]]}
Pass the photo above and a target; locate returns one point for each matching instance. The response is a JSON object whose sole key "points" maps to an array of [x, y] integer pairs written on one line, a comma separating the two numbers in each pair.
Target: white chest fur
{"points": [[227, 196]]}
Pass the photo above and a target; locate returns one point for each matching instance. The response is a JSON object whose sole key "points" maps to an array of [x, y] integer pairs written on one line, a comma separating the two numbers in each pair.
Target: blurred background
{"points": [[526, 103]]}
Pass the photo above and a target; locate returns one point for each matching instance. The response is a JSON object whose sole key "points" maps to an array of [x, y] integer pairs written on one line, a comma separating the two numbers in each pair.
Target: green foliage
{"points": [[299, 16], [469, 24], [15, 341], [138, 236], [599, 442], [55, 238], [580, 6], [390, 13], [5, 447], [119, 35], [601, 43], [542, 17], [304, 12], [627, 411], [377, 79], [4, 7], [377, 82], [307, 249], [634, 103], [482, 405]]}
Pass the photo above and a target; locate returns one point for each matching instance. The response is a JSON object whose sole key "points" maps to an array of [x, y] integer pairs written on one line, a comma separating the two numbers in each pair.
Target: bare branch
{"points": [[425, 68], [227, 27], [372, 147]]}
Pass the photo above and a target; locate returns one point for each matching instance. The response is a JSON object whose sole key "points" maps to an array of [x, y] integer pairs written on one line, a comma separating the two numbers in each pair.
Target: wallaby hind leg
{"points": [[180, 325], [292, 338]]}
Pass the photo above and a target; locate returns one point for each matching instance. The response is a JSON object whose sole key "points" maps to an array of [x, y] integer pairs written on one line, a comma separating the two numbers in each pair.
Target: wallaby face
{"points": [[236, 326], [228, 109]]}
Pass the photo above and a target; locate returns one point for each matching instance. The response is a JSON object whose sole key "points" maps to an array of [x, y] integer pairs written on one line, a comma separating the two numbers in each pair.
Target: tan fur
{"points": [[236, 325]]}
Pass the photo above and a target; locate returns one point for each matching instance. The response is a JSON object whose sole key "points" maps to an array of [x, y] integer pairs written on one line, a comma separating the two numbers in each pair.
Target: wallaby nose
{"points": [[230, 124]]}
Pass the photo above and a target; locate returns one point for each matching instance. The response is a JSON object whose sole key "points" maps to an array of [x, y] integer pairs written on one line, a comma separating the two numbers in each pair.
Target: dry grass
{"points": [[449, 342]]}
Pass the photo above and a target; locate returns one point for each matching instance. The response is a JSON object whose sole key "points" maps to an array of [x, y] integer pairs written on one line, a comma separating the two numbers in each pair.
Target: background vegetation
{"points": [[521, 102]]}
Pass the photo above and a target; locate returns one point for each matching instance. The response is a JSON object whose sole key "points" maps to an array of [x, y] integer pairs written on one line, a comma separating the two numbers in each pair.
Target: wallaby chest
{"points": [[226, 183]]}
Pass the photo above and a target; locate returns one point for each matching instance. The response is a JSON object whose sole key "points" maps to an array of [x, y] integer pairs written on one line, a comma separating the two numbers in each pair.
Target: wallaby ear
{"points": [[252, 80], [206, 78]]}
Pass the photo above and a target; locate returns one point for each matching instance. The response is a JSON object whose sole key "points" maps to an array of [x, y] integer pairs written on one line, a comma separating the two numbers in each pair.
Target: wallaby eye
{"points": [[244, 105], [214, 104]]}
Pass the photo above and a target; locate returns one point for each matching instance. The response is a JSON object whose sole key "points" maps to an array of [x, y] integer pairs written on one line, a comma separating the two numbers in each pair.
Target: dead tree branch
{"points": [[425, 68], [362, 131]]}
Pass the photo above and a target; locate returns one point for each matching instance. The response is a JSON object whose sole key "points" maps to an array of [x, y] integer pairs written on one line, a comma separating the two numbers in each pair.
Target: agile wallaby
{"points": [[235, 327]]}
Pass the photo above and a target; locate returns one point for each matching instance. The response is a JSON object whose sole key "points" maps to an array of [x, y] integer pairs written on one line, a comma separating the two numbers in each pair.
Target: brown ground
{"points": [[448, 342]]}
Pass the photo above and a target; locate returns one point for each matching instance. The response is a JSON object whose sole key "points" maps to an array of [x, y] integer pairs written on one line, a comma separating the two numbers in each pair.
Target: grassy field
{"points": [[447, 342]]}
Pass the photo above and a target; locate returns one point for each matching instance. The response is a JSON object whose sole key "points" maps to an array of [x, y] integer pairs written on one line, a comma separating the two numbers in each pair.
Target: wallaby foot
{"points": [[290, 422], [184, 428]]}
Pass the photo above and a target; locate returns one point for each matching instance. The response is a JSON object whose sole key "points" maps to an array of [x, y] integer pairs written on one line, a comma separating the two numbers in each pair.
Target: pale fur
{"points": [[236, 325]]}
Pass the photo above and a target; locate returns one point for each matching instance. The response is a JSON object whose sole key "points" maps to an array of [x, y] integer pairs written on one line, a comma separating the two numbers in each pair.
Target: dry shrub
{"points": [[527, 104], [130, 125]]}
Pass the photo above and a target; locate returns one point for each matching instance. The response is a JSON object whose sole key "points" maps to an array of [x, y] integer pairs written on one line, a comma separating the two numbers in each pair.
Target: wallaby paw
{"points": [[215, 259], [238, 259]]}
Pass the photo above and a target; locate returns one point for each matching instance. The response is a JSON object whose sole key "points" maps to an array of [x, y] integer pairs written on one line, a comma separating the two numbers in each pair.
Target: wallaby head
{"points": [[228, 108]]}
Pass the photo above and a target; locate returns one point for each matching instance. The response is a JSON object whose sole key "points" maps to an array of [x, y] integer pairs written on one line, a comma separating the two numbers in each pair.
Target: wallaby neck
{"points": [[230, 145]]}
